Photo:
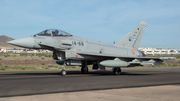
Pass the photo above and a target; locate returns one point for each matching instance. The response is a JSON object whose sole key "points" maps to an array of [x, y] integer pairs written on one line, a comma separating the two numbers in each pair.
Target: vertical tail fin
{"points": [[133, 38]]}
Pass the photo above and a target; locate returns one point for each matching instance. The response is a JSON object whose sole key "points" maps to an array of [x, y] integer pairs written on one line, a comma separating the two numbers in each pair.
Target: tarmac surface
{"points": [[161, 83]]}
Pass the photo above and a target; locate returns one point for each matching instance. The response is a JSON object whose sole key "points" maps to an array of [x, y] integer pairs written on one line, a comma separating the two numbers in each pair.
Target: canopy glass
{"points": [[53, 32]]}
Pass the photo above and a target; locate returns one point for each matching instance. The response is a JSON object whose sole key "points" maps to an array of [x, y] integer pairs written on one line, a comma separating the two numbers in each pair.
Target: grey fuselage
{"points": [[71, 46], [73, 50]]}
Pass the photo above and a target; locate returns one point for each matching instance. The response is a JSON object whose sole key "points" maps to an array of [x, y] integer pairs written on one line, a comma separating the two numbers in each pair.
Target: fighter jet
{"points": [[74, 51]]}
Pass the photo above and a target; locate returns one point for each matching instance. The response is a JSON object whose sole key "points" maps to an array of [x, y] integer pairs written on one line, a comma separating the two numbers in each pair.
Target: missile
{"points": [[61, 62], [114, 63]]}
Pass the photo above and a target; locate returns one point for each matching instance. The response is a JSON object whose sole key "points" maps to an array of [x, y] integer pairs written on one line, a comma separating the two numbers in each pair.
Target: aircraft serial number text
{"points": [[77, 43]]}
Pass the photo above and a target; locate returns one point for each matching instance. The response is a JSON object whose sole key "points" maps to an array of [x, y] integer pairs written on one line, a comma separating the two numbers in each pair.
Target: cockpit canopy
{"points": [[53, 32]]}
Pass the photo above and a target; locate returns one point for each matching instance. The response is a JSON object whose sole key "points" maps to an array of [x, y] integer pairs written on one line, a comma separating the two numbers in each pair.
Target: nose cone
{"points": [[27, 42]]}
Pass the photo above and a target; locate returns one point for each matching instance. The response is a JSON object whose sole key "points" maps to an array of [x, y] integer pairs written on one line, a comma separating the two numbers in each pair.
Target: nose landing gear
{"points": [[63, 71]]}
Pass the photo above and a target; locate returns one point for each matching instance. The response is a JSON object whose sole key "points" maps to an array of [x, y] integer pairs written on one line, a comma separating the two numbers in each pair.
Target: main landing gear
{"points": [[117, 70], [84, 68]]}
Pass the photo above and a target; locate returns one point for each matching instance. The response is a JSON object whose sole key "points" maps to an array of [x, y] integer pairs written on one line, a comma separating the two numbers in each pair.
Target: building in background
{"points": [[144, 50], [24, 50], [3, 49], [158, 50]]}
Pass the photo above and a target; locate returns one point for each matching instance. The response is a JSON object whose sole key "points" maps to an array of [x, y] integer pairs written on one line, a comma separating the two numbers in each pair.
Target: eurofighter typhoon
{"points": [[74, 51]]}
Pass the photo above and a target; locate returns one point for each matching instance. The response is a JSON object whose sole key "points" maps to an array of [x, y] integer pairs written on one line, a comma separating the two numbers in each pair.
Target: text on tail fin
{"points": [[133, 38]]}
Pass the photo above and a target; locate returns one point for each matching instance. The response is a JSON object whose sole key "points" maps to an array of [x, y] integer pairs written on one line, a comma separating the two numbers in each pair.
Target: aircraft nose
{"points": [[27, 42]]}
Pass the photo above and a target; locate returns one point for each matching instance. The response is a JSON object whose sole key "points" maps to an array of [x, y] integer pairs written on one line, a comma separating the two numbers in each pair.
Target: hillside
{"points": [[3, 40]]}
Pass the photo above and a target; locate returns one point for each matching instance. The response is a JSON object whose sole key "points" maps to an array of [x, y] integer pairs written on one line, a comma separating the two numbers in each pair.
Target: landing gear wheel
{"points": [[117, 71], [63, 72], [84, 70]]}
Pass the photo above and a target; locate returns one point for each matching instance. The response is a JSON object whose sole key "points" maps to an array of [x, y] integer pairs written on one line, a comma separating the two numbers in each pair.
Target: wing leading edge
{"points": [[128, 60], [122, 56]]}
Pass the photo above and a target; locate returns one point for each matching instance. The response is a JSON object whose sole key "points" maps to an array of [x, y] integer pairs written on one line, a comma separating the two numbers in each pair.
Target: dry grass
{"points": [[45, 61]]}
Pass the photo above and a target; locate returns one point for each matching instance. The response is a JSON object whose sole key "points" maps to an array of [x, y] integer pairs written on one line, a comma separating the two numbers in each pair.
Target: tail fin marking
{"points": [[133, 38]]}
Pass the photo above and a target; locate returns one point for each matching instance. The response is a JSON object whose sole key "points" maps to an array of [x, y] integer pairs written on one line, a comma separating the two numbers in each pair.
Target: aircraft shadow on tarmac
{"points": [[78, 73], [104, 73]]}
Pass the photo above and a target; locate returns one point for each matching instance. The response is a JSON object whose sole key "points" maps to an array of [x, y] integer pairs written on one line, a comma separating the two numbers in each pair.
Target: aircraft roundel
{"points": [[133, 52]]}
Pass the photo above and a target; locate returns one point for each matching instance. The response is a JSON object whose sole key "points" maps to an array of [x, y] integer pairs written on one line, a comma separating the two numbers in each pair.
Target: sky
{"points": [[99, 20]]}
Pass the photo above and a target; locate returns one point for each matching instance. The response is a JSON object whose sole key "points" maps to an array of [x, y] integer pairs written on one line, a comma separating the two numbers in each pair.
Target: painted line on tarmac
{"points": [[82, 75], [151, 72], [163, 72], [42, 76], [37, 70], [28, 76]]}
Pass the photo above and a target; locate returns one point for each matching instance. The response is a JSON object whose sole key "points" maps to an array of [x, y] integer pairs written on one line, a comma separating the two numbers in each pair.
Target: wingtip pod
{"points": [[143, 23]]}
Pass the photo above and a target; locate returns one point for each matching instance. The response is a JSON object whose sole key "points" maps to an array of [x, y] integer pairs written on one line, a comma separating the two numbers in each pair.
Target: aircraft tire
{"points": [[63, 72], [117, 71], [84, 69]]}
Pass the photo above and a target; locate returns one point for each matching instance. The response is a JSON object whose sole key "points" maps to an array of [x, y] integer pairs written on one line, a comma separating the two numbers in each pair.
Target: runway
{"points": [[37, 82]]}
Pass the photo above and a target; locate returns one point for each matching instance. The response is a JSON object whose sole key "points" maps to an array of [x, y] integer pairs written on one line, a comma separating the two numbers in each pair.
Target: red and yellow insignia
{"points": [[133, 52]]}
